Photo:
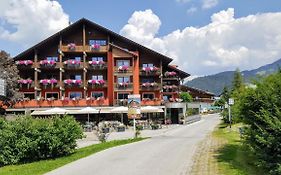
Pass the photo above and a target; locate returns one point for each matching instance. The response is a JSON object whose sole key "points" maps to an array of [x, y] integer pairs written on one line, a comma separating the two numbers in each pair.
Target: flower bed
{"points": [[24, 62]]}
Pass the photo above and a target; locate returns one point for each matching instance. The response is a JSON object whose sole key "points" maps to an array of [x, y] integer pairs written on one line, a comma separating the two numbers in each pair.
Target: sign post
{"points": [[134, 108], [230, 102]]}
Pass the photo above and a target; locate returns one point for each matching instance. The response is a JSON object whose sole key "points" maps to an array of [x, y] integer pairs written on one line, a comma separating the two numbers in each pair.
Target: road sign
{"points": [[2, 87], [231, 101]]}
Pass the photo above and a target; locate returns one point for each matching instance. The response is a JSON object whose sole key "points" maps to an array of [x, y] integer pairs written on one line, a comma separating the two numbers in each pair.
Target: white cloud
{"points": [[207, 4], [224, 44], [30, 21], [191, 10]]}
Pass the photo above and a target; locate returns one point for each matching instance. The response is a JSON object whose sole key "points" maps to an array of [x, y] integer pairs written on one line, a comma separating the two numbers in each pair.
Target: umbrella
{"points": [[120, 109], [89, 110]]}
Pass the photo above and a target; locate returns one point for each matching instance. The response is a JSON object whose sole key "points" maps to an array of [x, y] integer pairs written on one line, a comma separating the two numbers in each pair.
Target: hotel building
{"points": [[86, 64]]}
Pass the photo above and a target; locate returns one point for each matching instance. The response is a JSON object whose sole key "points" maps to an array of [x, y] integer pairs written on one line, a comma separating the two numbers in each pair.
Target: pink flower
{"points": [[101, 82], [95, 46], [123, 68], [146, 84], [68, 81], [71, 46], [78, 82], [44, 81], [53, 81], [101, 62], [24, 62], [25, 81]]}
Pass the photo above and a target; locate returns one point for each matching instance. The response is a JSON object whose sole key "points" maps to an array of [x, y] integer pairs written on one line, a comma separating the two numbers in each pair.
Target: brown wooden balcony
{"points": [[97, 66], [49, 85], [57, 65], [123, 86], [67, 48], [23, 86], [150, 87], [67, 84], [73, 66], [150, 73], [99, 49], [96, 85], [66, 102], [117, 70]]}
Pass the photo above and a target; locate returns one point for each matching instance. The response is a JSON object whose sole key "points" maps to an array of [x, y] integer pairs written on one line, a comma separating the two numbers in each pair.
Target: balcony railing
{"points": [[49, 84], [97, 66], [97, 84], [149, 87], [151, 102], [66, 102], [119, 70], [71, 48], [94, 49], [70, 83], [26, 85], [121, 102], [123, 86]]}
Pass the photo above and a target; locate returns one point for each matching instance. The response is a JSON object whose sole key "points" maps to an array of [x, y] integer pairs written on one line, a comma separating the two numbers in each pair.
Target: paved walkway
{"points": [[169, 153]]}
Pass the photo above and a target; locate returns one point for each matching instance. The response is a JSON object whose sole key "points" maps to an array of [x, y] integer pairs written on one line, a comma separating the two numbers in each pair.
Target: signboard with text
{"points": [[134, 104], [231, 101]]}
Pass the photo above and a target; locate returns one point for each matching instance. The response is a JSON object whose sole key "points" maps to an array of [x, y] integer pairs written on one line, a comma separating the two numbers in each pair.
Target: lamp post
{"points": [[230, 102]]}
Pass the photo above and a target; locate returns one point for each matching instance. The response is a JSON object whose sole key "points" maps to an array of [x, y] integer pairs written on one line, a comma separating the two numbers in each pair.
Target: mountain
{"points": [[215, 83]]}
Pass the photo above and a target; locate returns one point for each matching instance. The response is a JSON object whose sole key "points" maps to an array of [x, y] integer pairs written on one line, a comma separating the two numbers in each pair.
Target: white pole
{"points": [[88, 118], [229, 116], [134, 125]]}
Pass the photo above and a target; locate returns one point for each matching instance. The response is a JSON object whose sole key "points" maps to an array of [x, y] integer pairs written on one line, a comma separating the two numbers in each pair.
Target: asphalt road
{"points": [[168, 154]]}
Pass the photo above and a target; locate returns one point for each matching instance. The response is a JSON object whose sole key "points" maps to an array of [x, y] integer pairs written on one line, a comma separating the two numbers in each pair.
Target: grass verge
{"points": [[234, 157], [44, 166]]}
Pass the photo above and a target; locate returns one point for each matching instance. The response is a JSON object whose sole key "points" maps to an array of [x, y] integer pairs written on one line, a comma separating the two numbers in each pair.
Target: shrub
{"points": [[28, 139], [260, 110]]}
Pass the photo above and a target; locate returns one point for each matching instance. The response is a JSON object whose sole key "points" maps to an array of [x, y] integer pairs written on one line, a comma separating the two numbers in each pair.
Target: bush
{"points": [[260, 110], [186, 97], [28, 139]]}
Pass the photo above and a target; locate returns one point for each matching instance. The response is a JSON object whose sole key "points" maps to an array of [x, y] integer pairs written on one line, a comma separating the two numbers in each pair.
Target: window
{"points": [[97, 94], [77, 58], [123, 63], [123, 79], [29, 95], [52, 59], [76, 77], [75, 95], [147, 65], [97, 77], [97, 58], [147, 80], [100, 42], [123, 96], [167, 97], [147, 95], [52, 95]]}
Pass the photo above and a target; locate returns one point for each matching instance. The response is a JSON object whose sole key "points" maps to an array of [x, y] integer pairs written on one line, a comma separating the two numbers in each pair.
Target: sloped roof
{"points": [[166, 59], [182, 74], [184, 87]]}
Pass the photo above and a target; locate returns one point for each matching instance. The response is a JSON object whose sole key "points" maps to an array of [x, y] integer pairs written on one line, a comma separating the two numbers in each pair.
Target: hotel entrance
{"points": [[175, 116]]}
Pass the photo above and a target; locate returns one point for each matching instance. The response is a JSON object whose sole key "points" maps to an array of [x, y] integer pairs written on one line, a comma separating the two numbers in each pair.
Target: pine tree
{"points": [[9, 73], [237, 83]]}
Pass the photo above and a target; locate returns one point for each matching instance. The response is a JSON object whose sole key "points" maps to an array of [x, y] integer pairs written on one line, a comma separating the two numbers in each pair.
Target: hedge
{"points": [[29, 139]]}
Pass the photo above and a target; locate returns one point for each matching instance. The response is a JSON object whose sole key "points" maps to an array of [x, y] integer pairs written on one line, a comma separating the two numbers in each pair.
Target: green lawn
{"points": [[44, 166], [234, 157]]}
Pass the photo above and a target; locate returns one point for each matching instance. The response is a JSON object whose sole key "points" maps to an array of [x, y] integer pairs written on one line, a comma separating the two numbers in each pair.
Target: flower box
{"points": [[71, 46], [72, 62], [97, 64], [96, 82], [24, 62], [95, 47], [170, 74], [27, 82], [50, 63], [123, 84], [46, 82], [150, 69], [72, 82], [123, 68]]}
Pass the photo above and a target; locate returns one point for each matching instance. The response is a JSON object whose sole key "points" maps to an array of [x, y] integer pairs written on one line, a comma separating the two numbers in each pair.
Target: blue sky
{"points": [[203, 36]]}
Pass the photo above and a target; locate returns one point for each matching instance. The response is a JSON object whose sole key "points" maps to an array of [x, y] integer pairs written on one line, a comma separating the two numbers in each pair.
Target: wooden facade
{"points": [[88, 65]]}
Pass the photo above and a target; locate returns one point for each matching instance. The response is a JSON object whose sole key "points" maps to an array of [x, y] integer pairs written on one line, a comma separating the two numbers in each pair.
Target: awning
{"points": [[150, 109], [86, 110], [52, 111]]}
